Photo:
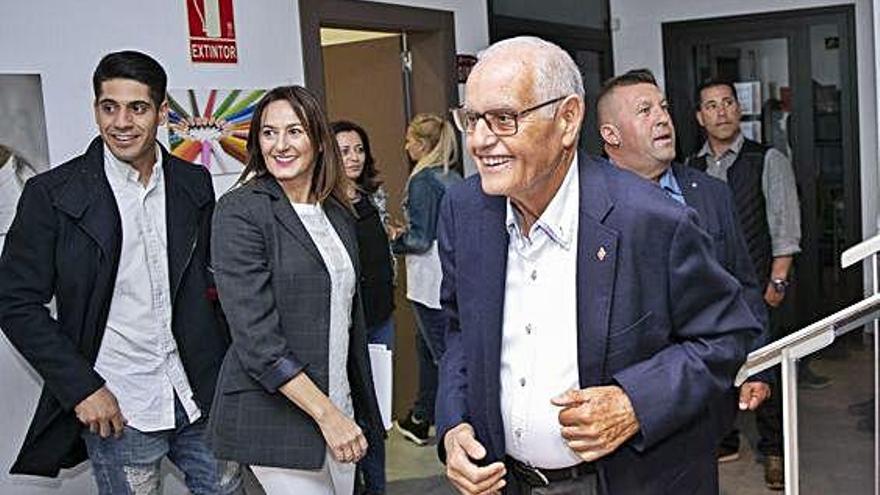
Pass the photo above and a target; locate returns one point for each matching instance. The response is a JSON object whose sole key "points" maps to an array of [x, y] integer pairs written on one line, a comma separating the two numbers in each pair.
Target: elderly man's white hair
{"points": [[555, 72]]}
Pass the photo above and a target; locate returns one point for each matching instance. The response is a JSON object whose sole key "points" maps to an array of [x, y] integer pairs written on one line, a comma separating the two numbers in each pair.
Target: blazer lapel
{"points": [[337, 215], [286, 216], [492, 246], [184, 199], [596, 262], [88, 200]]}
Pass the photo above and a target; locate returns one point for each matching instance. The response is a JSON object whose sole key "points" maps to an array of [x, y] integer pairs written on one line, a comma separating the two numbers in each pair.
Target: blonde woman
{"points": [[431, 146]]}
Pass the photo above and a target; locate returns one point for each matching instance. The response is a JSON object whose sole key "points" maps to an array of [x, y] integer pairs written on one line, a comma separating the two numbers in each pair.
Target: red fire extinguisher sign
{"points": [[211, 31]]}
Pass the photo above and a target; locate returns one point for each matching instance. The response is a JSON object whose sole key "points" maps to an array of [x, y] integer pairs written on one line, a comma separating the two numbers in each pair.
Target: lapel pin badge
{"points": [[601, 253]]}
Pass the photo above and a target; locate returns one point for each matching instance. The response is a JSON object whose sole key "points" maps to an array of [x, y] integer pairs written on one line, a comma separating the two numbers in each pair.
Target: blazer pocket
{"points": [[628, 344], [233, 377], [643, 321]]}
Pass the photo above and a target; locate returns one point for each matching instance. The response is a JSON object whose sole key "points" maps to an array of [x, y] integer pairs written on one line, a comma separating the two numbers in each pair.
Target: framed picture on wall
{"points": [[24, 147], [749, 96], [209, 127]]}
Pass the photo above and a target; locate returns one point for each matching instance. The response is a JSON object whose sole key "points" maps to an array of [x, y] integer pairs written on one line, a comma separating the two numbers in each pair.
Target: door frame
{"points": [[374, 16], [679, 40], [569, 37]]}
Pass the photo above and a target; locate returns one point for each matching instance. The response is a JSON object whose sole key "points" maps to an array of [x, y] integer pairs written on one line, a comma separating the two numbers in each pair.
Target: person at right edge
{"points": [[765, 195]]}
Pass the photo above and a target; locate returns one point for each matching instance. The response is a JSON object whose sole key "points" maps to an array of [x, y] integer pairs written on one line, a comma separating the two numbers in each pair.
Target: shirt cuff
{"points": [[785, 248]]}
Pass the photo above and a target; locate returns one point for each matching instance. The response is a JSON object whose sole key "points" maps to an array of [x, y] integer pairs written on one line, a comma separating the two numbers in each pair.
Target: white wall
{"points": [[638, 42], [62, 41], [824, 64]]}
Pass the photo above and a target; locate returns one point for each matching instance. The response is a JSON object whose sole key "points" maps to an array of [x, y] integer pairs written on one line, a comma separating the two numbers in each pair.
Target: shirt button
{"points": [[534, 274], [518, 433], [522, 382], [529, 329]]}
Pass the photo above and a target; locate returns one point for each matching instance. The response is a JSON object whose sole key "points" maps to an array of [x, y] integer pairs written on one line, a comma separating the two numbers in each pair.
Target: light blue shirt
{"points": [[670, 186]]}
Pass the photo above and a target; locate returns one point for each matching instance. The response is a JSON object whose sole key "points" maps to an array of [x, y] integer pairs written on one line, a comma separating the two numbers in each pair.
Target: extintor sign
{"points": [[211, 31]]}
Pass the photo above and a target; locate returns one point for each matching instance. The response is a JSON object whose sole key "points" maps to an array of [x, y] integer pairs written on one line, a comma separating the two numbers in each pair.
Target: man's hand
{"points": [[596, 421], [773, 298], [470, 479], [752, 394], [100, 412]]}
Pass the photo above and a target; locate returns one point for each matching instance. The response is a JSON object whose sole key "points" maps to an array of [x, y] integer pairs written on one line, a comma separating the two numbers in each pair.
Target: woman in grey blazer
{"points": [[297, 374]]}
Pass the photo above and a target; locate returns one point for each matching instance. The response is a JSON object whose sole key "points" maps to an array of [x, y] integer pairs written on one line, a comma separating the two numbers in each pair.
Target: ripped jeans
{"points": [[131, 464]]}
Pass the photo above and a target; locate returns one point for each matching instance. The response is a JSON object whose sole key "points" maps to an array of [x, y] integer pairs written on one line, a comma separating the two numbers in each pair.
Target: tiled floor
{"points": [[835, 457]]}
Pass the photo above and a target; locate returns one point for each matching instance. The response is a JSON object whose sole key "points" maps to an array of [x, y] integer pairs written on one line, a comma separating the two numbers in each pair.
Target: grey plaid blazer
{"points": [[275, 291]]}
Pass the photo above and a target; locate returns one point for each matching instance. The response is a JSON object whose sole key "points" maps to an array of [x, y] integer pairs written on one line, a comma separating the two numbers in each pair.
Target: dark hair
{"points": [[328, 178], [698, 98], [629, 78], [368, 180], [133, 65]]}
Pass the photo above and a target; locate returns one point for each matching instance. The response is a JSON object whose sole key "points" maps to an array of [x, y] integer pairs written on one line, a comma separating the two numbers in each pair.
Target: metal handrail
{"points": [[810, 339]]}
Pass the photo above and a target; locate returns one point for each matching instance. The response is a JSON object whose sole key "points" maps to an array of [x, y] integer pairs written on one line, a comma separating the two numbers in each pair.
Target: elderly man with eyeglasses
{"points": [[589, 325]]}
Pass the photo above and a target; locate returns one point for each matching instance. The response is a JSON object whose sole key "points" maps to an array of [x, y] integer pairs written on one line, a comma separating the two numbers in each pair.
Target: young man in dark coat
{"points": [[119, 238]]}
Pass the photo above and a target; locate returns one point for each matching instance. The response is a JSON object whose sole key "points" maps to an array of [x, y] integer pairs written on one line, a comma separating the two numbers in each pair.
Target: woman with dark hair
{"points": [[296, 381], [377, 277], [359, 164]]}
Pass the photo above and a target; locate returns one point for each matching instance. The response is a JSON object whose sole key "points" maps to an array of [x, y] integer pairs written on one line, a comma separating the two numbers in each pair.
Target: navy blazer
{"points": [[657, 316], [713, 202], [65, 242]]}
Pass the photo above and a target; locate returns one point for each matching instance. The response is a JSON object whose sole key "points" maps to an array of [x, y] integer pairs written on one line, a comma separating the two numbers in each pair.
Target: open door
{"points": [[400, 62], [795, 74]]}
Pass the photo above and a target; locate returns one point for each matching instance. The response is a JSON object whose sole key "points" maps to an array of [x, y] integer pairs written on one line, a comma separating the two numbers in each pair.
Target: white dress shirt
{"points": [[539, 354], [138, 357]]}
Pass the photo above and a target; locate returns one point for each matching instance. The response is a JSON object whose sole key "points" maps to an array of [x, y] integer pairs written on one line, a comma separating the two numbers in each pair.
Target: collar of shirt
{"points": [[122, 171], [670, 186], [735, 148], [559, 218]]}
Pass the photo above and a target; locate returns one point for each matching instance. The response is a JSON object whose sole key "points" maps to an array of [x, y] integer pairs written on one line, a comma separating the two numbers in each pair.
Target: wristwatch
{"points": [[779, 285]]}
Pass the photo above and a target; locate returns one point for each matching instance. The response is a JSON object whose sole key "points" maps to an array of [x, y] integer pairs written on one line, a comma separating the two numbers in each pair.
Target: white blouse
{"points": [[342, 283]]}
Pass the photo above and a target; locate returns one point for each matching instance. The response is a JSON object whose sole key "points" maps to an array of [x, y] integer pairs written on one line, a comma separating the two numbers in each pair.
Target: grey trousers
{"points": [[582, 485]]}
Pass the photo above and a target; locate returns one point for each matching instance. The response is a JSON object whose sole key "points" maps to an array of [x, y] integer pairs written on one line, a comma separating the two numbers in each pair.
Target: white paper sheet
{"points": [[383, 370]]}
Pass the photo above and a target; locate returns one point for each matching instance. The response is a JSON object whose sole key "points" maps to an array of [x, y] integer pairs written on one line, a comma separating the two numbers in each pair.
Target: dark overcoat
{"points": [[65, 243]]}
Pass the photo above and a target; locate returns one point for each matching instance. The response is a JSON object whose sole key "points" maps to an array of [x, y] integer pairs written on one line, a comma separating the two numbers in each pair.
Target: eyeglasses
{"points": [[500, 122]]}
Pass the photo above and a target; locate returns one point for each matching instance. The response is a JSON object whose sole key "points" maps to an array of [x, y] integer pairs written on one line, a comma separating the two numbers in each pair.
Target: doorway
{"points": [[378, 65], [795, 75], [794, 72], [582, 32]]}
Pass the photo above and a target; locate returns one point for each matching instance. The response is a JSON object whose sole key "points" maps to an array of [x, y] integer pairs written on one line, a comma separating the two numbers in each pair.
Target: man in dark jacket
{"points": [[119, 238], [579, 358], [644, 143]]}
